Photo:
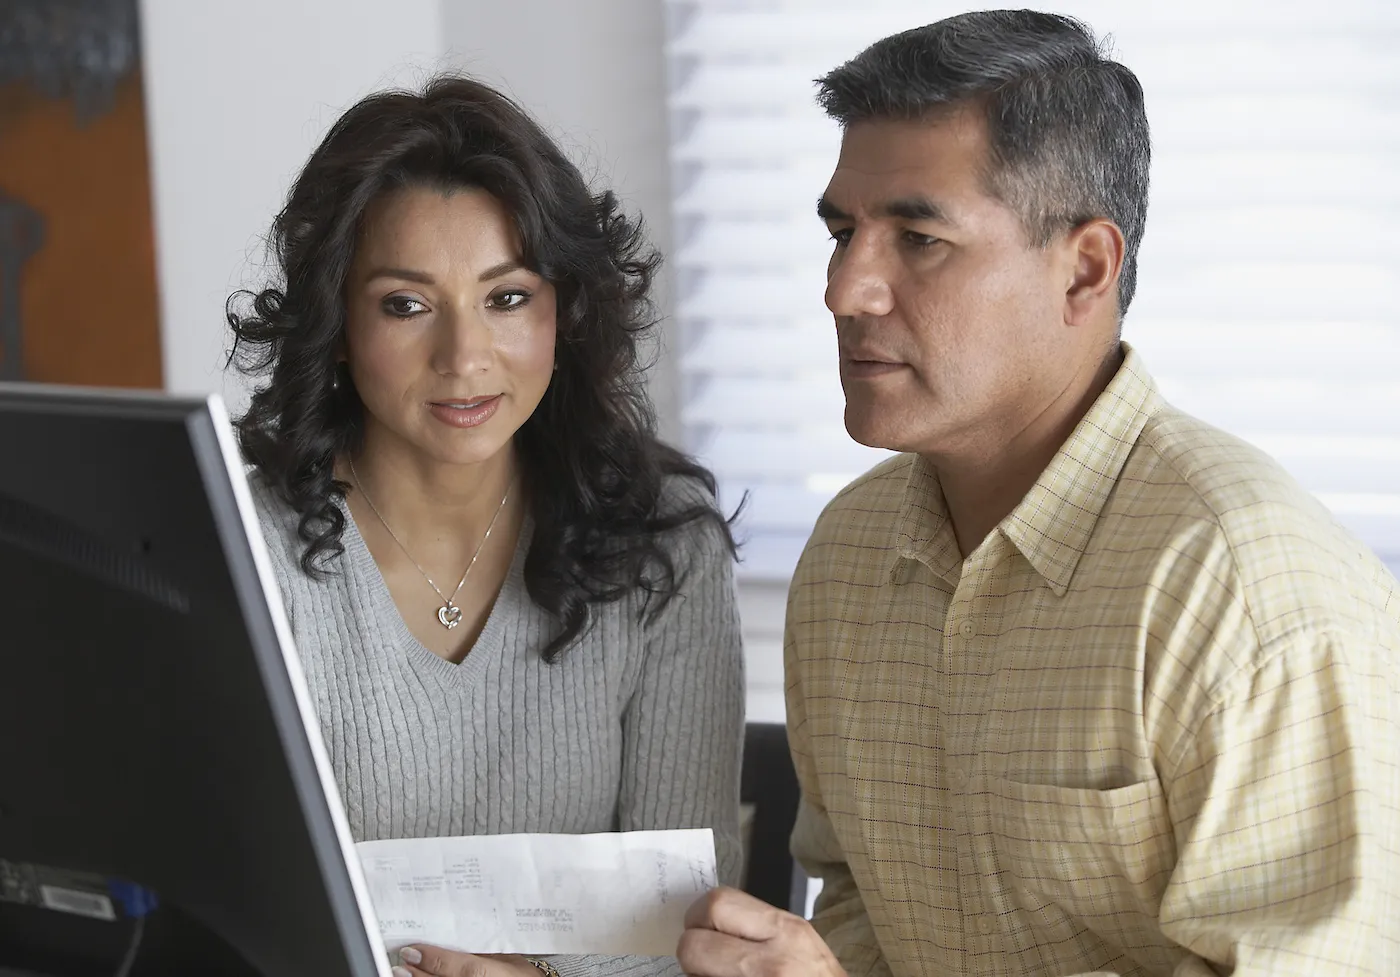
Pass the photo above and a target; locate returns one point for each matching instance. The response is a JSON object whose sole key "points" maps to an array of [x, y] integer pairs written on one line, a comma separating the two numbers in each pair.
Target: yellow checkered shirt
{"points": [[1148, 727]]}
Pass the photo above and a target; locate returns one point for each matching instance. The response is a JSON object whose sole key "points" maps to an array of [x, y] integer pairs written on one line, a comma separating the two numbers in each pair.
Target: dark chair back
{"points": [[769, 787]]}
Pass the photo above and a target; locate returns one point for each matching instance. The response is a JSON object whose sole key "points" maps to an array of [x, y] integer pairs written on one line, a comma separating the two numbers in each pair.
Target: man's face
{"points": [[949, 322]]}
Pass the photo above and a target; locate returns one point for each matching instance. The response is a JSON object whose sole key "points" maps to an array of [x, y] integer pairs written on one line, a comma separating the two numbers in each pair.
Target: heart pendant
{"points": [[449, 616]]}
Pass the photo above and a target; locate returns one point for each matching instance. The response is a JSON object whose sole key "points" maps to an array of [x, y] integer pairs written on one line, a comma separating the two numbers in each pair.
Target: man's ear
{"points": [[1094, 256]]}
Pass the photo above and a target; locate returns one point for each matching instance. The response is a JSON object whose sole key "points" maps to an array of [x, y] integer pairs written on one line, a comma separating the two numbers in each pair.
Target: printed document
{"points": [[618, 893]]}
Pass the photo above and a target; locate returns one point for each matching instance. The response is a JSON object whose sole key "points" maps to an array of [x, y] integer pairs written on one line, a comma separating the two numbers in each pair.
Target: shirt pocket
{"points": [[1101, 857]]}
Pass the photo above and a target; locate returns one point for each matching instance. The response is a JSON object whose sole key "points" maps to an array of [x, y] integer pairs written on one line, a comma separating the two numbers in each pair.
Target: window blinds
{"points": [[1269, 292]]}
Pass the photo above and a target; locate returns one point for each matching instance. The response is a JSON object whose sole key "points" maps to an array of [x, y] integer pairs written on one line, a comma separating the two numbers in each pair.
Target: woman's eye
{"points": [[403, 307], [509, 300]]}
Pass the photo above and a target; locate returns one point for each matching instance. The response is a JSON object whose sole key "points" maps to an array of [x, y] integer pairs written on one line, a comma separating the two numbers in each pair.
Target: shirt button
{"points": [[966, 629], [985, 925], [959, 779]]}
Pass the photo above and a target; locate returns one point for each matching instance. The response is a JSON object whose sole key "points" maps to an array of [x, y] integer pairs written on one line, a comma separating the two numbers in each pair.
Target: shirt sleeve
{"points": [[840, 916], [1283, 807], [683, 731]]}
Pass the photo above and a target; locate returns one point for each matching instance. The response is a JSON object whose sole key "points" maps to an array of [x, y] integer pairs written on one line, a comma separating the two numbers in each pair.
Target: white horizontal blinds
{"points": [[1269, 288]]}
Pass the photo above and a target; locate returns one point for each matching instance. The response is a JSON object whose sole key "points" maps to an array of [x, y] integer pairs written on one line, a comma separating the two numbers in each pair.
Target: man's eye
{"points": [[842, 237], [920, 240]]}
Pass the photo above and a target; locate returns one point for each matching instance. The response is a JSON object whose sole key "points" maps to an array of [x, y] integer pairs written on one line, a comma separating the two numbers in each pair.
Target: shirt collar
{"points": [[923, 531], [1051, 526]]}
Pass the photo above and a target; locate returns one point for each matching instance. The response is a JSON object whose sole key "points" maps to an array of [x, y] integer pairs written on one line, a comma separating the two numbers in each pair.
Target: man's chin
{"points": [[873, 430]]}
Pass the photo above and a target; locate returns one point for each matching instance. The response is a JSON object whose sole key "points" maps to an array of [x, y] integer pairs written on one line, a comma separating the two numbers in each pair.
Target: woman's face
{"points": [[449, 339]]}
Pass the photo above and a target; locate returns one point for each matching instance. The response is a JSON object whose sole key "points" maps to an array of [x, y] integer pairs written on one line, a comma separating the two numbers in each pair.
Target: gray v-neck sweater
{"points": [[638, 726]]}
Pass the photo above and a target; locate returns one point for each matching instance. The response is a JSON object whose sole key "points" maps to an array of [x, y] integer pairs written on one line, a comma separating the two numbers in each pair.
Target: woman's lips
{"points": [[465, 413]]}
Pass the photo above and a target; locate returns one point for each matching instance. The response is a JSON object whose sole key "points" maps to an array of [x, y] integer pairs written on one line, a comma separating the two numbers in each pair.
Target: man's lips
{"points": [[865, 366]]}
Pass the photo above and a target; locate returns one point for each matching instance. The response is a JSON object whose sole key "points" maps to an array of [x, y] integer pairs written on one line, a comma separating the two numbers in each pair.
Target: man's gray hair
{"points": [[1066, 124]]}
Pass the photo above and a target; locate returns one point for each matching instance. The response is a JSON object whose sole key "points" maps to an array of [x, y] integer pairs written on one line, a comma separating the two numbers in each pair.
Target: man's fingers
{"points": [[735, 913], [797, 951], [706, 953], [698, 915], [732, 934]]}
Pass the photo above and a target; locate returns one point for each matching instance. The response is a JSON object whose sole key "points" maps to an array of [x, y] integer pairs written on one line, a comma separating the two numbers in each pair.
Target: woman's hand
{"points": [[432, 961]]}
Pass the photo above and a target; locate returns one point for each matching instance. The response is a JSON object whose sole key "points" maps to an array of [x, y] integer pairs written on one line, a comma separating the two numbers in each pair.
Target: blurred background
{"points": [[145, 146]]}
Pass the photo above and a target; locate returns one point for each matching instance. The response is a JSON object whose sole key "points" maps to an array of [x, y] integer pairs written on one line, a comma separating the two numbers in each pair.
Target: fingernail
{"points": [[400, 972], [410, 955]]}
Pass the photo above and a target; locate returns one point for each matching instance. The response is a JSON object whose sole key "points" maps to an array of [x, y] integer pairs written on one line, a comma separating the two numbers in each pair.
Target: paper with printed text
{"points": [[618, 893]]}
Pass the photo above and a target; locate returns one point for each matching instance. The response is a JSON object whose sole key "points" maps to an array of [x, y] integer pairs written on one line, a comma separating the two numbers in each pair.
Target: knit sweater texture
{"points": [[639, 725]]}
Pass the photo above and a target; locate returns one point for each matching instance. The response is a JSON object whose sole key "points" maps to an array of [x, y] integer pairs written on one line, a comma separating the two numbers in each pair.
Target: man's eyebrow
{"points": [[903, 208], [828, 211], [916, 209]]}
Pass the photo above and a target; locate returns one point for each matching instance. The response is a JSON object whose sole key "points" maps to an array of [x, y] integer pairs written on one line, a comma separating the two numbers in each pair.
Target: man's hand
{"points": [[432, 961], [729, 933]]}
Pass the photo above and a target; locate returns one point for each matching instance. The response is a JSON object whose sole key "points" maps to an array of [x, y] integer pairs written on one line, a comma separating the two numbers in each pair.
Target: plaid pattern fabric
{"points": [[1148, 727]]}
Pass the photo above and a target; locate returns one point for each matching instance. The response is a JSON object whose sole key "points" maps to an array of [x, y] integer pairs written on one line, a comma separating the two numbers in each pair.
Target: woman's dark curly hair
{"points": [[589, 452]]}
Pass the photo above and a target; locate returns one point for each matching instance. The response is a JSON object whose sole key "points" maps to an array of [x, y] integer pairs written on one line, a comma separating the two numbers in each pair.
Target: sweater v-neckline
{"points": [[489, 643]]}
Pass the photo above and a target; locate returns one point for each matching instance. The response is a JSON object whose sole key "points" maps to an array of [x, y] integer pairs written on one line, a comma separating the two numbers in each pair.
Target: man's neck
{"points": [[982, 486]]}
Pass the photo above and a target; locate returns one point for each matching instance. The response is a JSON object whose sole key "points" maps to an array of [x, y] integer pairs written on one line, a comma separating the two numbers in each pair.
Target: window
{"points": [[1269, 290]]}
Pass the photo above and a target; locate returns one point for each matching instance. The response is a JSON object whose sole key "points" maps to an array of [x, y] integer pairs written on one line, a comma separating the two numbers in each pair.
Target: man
{"points": [[1076, 684]]}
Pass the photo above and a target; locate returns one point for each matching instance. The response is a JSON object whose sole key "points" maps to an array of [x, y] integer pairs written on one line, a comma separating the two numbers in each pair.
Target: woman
{"points": [[514, 604]]}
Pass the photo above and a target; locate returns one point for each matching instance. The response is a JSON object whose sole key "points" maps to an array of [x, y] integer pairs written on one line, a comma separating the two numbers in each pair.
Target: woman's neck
{"points": [[431, 507]]}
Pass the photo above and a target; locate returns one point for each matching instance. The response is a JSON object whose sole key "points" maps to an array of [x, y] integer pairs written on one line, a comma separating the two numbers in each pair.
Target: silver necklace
{"points": [[449, 615]]}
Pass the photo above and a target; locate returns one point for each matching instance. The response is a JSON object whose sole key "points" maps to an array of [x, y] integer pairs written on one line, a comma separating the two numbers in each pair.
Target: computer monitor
{"points": [[155, 728]]}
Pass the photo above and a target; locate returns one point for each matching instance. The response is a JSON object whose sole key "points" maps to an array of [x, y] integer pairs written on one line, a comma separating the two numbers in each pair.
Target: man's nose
{"points": [[858, 280]]}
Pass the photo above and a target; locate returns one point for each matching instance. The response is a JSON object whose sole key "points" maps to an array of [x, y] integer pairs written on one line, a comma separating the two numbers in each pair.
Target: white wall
{"points": [[593, 73], [237, 96]]}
